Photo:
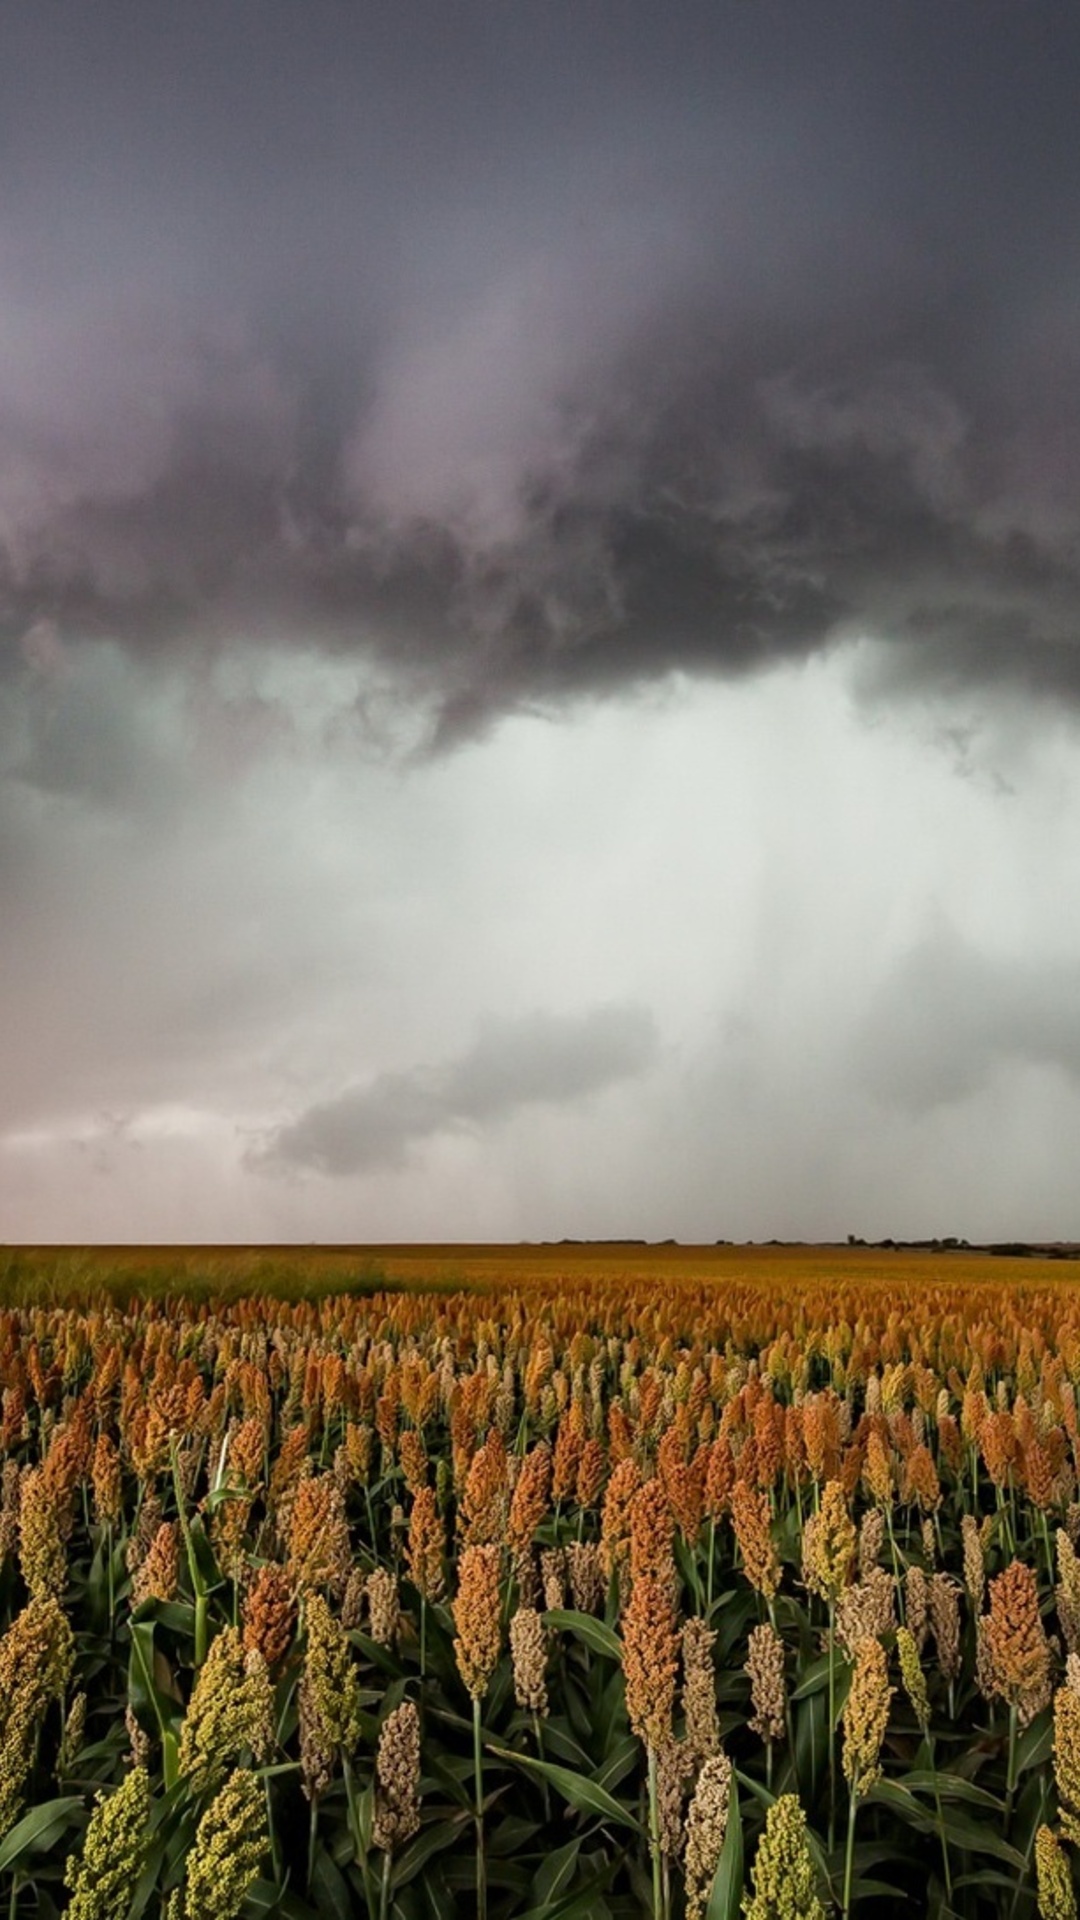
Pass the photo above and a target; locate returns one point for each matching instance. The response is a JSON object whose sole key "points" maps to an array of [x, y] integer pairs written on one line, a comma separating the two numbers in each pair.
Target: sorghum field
{"points": [[546, 1583]]}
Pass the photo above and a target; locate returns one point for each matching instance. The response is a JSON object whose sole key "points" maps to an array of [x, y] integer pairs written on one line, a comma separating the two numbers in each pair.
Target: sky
{"points": [[539, 620]]}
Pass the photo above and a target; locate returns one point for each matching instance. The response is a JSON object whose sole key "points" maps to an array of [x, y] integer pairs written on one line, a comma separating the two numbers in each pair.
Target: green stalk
{"points": [[1046, 1544], [202, 1628], [849, 1850], [384, 1889], [940, 1816], [1006, 1529], [654, 1839], [313, 1822], [895, 1563], [1010, 1780], [360, 1854], [198, 1586], [540, 1754], [832, 1725], [1035, 1825], [275, 1854], [478, 1774]]}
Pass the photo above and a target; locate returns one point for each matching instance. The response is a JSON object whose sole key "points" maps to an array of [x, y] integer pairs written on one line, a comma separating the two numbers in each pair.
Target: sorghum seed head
{"points": [[866, 1716], [913, 1676], [706, 1825], [229, 1844], [397, 1771], [476, 1617], [1053, 1878], [1067, 1760], [699, 1691], [1017, 1647], [751, 1517], [829, 1541], [113, 1852], [528, 1651], [650, 1658], [268, 1614], [765, 1665], [230, 1712], [785, 1886]]}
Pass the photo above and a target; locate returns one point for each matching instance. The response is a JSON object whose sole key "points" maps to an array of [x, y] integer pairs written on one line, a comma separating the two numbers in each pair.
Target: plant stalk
{"points": [[478, 1775], [849, 1850], [654, 1839], [832, 1725]]}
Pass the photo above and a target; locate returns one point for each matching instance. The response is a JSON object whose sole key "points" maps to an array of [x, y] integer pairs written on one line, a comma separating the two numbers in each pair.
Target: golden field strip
{"points": [[71, 1270], [572, 1582]]}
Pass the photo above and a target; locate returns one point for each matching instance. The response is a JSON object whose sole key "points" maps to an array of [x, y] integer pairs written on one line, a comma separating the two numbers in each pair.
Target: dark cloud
{"points": [[544, 1059], [534, 360], [949, 1018]]}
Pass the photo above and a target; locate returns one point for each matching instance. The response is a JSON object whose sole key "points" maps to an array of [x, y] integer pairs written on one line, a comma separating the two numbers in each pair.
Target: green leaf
{"points": [[622, 1760], [582, 1904], [513, 1835], [425, 1846], [563, 1745], [951, 1787], [265, 1897], [815, 1677], [1036, 1743], [987, 1878], [149, 1703], [330, 1889], [757, 1788], [556, 1873], [580, 1900], [975, 1837], [149, 1877], [219, 1496], [39, 1829], [202, 1565], [97, 1584], [727, 1887], [453, 1775], [177, 1615], [373, 1652], [970, 1835], [581, 1793], [590, 1631]]}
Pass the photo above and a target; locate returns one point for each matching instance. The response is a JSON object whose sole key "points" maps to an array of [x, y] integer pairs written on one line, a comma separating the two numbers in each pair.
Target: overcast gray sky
{"points": [[539, 619]]}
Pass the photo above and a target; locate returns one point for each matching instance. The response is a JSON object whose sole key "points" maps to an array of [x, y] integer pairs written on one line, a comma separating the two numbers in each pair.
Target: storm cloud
{"points": [[539, 507], [531, 361], [542, 1059], [951, 1018]]}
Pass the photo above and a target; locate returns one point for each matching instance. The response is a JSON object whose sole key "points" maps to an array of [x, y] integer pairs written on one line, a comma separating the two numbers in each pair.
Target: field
{"points": [[538, 1583]]}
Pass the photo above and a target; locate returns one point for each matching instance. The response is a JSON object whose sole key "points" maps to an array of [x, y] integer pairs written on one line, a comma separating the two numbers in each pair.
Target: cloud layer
{"points": [[695, 361], [509, 509], [542, 1060]]}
